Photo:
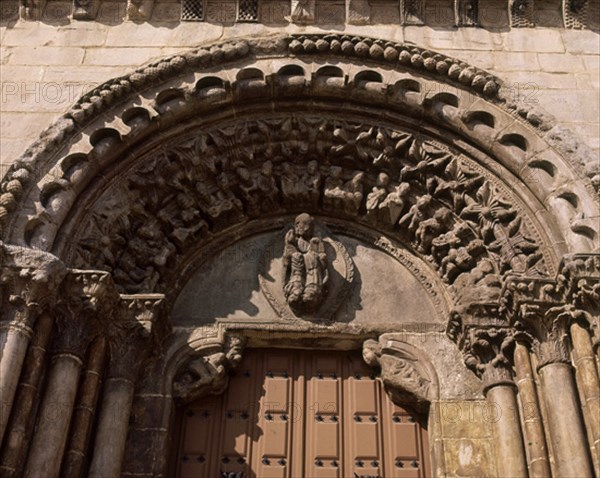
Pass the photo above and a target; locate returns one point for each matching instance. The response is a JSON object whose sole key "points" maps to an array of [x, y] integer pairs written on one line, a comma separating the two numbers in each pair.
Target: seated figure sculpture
{"points": [[305, 266]]}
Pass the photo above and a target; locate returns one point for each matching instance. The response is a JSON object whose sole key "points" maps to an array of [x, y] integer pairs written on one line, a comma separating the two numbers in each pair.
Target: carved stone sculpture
{"points": [[305, 265]]}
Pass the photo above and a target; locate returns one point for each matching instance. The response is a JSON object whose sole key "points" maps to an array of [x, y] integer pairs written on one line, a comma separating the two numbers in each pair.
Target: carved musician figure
{"points": [[305, 265]]}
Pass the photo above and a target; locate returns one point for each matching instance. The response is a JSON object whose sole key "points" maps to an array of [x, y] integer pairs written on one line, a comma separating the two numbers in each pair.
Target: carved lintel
{"points": [[404, 376], [88, 299], [32, 9], [412, 12], [138, 328], [85, 9], [207, 374], [29, 283], [139, 10]]}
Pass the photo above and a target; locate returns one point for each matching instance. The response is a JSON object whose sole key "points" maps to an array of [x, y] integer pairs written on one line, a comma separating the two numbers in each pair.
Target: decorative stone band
{"points": [[406, 12]]}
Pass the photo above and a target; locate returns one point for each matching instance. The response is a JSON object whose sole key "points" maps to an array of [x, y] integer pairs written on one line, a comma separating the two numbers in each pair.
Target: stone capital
{"points": [[136, 329], [88, 298], [486, 340], [29, 283], [581, 275]]}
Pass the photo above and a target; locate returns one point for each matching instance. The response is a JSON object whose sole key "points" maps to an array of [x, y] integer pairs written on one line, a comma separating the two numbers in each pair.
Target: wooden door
{"points": [[292, 413]]}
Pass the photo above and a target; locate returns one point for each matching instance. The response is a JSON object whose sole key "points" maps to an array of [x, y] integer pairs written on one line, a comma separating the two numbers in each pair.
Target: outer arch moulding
{"points": [[21, 183]]}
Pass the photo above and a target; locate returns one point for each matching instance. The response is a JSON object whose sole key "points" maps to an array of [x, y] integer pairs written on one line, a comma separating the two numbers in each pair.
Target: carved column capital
{"points": [[403, 372], [88, 297], [581, 275], [138, 326], [206, 374], [29, 281], [486, 340], [545, 327]]}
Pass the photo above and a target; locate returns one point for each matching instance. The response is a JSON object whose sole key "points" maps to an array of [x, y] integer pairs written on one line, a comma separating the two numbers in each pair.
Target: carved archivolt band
{"points": [[521, 148]]}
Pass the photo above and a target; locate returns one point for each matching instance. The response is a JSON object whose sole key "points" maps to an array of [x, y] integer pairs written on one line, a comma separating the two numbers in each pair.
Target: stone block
{"points": [[385, 12], [166, 12], [41, 55], [38, 34], [329, 12], [533, 40], [220, 11], [514, 61], [581, 41], [131, 57], [552, 62], [466, 457], [24, 126], [274, 12]]}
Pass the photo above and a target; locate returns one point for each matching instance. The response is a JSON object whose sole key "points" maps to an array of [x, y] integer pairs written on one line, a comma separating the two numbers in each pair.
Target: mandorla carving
{"points": [[409, 186], [305, 266]]}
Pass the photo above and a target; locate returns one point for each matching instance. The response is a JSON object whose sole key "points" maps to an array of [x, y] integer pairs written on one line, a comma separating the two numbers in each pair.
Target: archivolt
{"points": [[415, 144]]}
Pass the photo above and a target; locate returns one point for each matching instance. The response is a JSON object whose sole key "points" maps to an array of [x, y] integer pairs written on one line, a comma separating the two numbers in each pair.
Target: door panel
{"points": [[289, 414]]}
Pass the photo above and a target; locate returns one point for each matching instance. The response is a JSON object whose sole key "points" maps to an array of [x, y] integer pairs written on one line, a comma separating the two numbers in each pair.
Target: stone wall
{"points": [[47, 65]]}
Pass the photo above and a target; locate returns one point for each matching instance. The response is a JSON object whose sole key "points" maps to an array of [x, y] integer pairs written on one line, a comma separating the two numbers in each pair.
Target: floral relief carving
{"points": [[409, 186]]}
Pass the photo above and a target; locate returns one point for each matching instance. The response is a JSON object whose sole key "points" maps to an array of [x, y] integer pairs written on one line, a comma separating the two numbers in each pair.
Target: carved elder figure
{"points": [[305, 265]]}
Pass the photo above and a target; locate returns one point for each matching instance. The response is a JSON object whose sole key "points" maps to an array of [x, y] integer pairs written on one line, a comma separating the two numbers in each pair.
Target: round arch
{"points": [[154, 171]]}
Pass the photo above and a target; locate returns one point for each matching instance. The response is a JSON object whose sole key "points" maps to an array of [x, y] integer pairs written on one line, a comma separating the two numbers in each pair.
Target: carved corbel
{"points": [[207, 374], [138, 328], [466, 13], [85, 9], [521, 13], [486, 341], [575, 13], [88, 299], [139, 10], [29, 281], [303, 11], [405, 377]]}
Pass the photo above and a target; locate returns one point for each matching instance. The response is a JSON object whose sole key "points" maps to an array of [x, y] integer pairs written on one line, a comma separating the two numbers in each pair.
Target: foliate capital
{"points": [[29, 283], [88, 299], [486, 340], [138, 327]]}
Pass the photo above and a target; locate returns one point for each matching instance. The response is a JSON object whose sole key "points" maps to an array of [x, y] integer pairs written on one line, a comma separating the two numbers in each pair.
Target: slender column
{"points": [[29, 282], [547, 329], [129, 338], [83, 417], [486, 352], [539, 467], [21, 423], [77, 326], [589, 383]]}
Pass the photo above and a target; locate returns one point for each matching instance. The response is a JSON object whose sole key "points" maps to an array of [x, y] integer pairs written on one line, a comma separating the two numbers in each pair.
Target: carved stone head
{"points": [[304, 226]]}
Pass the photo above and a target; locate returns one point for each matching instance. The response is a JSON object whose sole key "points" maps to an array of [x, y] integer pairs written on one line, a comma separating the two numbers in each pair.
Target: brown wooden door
{"points": [[291, 413]]}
